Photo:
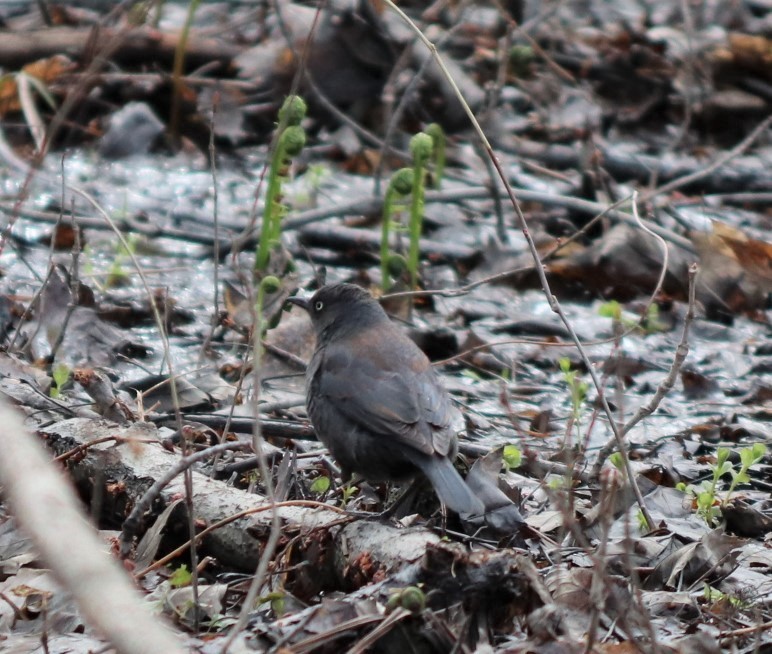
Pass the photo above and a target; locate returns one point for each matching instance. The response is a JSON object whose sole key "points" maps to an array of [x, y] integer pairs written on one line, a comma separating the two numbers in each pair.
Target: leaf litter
{"points": [[589, 109]]}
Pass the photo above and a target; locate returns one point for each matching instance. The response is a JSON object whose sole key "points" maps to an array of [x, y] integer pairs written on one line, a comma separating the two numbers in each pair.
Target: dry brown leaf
{"points": [[753, 52], [754, 256], [45, 70]]}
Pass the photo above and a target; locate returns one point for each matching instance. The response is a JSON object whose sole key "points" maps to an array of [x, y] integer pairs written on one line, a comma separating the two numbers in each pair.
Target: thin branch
{"points": [[553, 302], [699, 174], [682, 350], [44, 502]]}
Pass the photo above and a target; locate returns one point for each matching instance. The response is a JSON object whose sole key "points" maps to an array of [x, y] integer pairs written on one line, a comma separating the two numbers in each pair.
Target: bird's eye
{"points": [[319, 306]]}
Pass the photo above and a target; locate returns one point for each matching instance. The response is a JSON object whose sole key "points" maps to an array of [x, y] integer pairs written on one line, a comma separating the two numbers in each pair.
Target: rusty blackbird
{"points": [[375, 401]]}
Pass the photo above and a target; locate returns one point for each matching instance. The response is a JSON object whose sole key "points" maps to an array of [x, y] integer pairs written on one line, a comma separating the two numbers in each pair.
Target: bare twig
{"points": [[271, 543], [132, 522], [682, 350], [553, 302], [237, 516], [720, 161], [44, 502]]}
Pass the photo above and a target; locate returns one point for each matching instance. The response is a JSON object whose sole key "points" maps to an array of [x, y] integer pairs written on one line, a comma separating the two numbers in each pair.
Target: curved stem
{"points": [[388, 209], [270, 230], [416, 219]]}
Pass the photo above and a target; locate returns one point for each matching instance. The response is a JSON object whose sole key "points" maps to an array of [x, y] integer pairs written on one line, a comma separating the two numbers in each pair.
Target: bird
{"points": [[375, 401]]}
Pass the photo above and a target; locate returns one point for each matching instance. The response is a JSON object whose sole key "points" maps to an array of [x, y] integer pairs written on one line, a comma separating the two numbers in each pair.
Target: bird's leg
{"points": [[399, 508], [356, 489]]}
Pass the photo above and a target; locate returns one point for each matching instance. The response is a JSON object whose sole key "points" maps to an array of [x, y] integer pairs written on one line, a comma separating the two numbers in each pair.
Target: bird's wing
{"points": [[396, 398]]}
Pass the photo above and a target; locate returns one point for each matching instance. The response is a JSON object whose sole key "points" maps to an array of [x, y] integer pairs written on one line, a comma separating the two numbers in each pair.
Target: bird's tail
{"points": [[449, 485]]}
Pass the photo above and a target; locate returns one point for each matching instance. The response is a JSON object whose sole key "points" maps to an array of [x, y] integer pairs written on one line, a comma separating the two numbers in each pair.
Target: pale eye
{"points": [[319, 306]]}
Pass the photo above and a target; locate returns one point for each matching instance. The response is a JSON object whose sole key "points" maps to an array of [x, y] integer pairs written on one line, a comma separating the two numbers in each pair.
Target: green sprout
{"points": [[577, 388], [714, 595], [643, 523], [421, 146], [400, 186], [181, 577], [349, 491], [268, 285], [320, 485], [438, 152], [649, 324], [277, 600], [60, 375], [117, 274], [748, 456], [520, 59], [616, 460], [411, 598], [289, 144], [512, 457], [705, 495], [426, 147]]}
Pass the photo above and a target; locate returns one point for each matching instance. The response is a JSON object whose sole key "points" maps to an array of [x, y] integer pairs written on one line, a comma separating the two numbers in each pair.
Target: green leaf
{"points": [[705, 500], [181, 577], [741, 477], [611, 309], [512, 457], [278, 603], [617, 461], [726, 468], [60, 374], [643, 524], [471, 374], [320, 485]]}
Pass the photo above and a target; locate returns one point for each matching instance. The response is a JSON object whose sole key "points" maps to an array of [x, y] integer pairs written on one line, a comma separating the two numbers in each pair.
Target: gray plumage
{"points": [[375, 400]]}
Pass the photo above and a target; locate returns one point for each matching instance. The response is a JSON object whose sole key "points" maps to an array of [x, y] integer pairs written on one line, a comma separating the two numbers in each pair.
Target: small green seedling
{"points": [[289, 144], [320, 485], [512, 457], [643, 523], [650, 324], [556, 483], [438, 153], [411, 598], [426, 148], [577, 387], [268, 285], [117, 274], [181, 577], [277, 599], [706, 494], [749, 456], [393, 265], [520, 59], [421, 146], [60, 374], [348, 491], [714, 595]]}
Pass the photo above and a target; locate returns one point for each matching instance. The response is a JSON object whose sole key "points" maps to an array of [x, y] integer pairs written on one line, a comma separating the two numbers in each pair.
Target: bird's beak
{"points": [[302, 302]]}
